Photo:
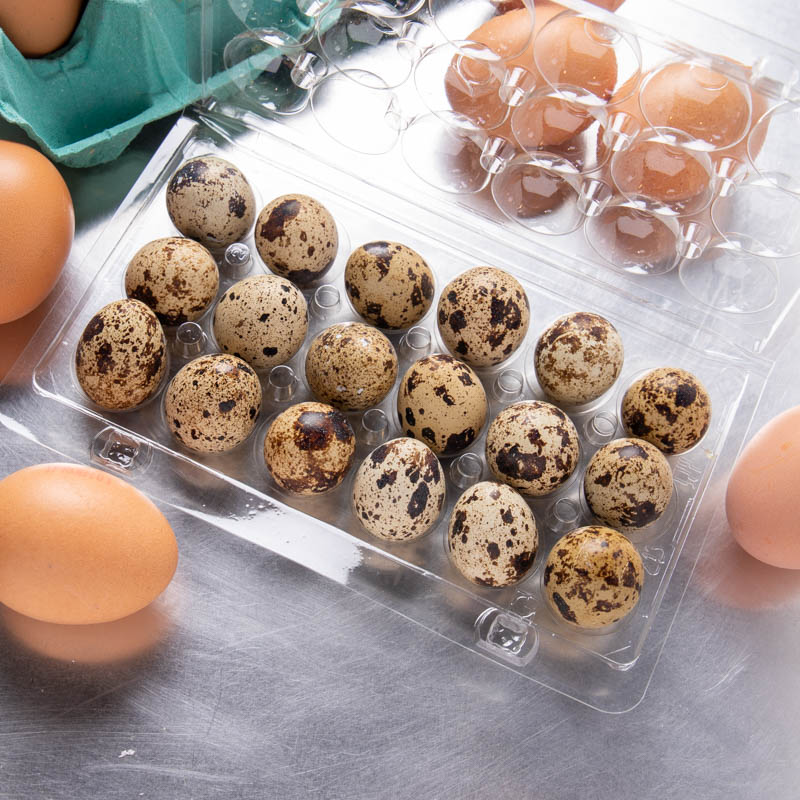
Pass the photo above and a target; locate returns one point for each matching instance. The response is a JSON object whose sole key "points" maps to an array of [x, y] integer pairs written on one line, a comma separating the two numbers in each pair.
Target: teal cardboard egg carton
{"points": [[129, 62]]}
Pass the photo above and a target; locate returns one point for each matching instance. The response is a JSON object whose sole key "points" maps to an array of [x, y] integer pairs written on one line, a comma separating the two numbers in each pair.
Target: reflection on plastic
{"points": [[103, 643]]}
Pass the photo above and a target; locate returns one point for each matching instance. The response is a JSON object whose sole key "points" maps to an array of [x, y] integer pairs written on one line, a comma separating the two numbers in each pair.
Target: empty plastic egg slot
{"points": [[415, 343], [190, 340], [374, 426], [237, 261], [563, 515], [508, 386], [326, 301], [282, 383], [119, 451], [601, 428], [466, 470], [506, 636]]}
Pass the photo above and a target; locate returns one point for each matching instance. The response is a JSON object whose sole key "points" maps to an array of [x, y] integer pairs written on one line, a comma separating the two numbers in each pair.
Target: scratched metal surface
{"points": [[257, 678]]}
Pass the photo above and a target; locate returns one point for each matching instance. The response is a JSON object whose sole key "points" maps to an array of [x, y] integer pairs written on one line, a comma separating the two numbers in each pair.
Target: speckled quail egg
{"points": [[178, 278], [209, 199], [578, 358], [352, 366], [389, 284], [262, 319], [296, 238], [492, 535], [532, 446], [483, 316], [121, 355], [399, 490], [441, 402], [212, 403], [628, 484], [669, 408], [309, 448], [593, 577]]}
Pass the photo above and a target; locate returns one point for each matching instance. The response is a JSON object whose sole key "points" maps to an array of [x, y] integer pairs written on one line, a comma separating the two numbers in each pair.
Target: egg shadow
{"points": [[726, 572]]}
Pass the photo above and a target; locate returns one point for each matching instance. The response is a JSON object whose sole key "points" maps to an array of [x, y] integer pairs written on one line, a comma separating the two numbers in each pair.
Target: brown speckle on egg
{"points": [[176, 277], [441, 402], [309, 448], [121, 355], [593, 577], [352, 366], [208, 199], [389, 284], [668, 407], [211, 405], [532, 446], [628, 484], [399, 490], [483, 316], [485, 519], [262, 319], [296, 238], [578, 358]]}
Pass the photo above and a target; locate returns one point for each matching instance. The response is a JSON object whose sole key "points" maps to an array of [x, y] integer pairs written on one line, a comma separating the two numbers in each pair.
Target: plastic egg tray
{"points": [[512, 625], [449, 120]]}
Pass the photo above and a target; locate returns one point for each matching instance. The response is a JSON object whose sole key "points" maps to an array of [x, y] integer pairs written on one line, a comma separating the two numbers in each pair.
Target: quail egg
{"points": [[352, 366], [628, 484], [441, 402], [578, 358], [121, 355], [209, 199], [309, 448], [389, 284], [532, 446], [296, 238], [593, 577], [492, 535], [262, 319], [399, 490], [669, 408], [212, 403], [483, 316], [178, 278]]}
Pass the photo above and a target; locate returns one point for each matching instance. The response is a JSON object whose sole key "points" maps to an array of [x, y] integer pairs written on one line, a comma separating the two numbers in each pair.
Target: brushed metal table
{"points": [[260, 679]]}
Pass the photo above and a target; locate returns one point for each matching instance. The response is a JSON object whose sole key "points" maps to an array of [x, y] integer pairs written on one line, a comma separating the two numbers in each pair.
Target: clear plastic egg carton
{"points": [[685, 211], [512, 625]]}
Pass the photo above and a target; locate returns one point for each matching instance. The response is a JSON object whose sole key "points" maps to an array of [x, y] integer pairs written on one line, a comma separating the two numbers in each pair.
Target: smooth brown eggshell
{"points": [[38, 27], [532, 446], [309, 448], [121, 355], [483, 316], [351, 366], [492, 535], [578, 358], [593, 577], [399, 490], [628, 484], [442, 402], [296, 238], [212, 404], [390, 285], [668, 407], [262, 319], [36, 228], [178, 278], [80, 546], [210, 200], [761, 500]]}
